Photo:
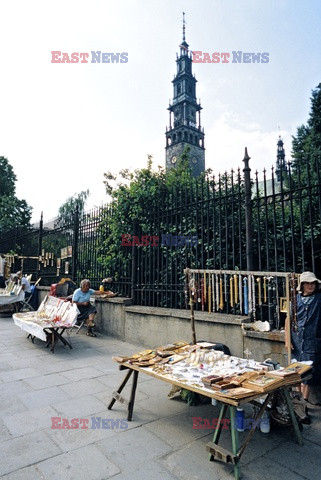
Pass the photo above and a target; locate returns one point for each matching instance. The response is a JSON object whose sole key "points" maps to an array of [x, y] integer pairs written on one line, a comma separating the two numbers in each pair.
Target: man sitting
{"points": [[81, 297]]}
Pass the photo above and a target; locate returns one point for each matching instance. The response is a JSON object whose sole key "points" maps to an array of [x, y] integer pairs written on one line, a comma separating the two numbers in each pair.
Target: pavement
{"points": [[160, 442]]}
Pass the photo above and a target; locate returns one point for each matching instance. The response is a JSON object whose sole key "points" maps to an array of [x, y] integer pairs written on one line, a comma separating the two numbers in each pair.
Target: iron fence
{"points": [[228, 222]]}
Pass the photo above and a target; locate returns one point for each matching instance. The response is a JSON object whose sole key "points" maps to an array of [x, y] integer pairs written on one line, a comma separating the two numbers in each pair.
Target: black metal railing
{"points": [[234, 222]]}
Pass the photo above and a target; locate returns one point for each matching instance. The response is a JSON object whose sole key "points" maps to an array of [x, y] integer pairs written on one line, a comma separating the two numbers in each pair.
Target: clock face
{"points": [[174, 159], [194, 160]]}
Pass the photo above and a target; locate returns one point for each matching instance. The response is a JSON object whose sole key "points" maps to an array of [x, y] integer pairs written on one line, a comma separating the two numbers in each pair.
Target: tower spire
{"points": [[281, 167], [184, 26]]}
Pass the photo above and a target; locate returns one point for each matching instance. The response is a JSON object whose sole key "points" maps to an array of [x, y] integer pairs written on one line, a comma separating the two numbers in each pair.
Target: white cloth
{"points": [[6, 299], [29, 322], [28, 326]]}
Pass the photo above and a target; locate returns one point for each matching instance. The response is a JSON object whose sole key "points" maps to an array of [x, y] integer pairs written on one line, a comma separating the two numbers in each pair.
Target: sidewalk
{"points": [[159, 443]]}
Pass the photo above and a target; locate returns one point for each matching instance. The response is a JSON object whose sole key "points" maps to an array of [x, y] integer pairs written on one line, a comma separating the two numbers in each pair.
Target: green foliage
{"points": [[306, 173], [145, 202], [13, 212], [67, 210], [7, 178], [306, 145]]}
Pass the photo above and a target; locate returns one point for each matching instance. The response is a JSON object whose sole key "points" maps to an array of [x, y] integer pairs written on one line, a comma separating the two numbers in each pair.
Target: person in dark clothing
{"points": [[306, 336]]}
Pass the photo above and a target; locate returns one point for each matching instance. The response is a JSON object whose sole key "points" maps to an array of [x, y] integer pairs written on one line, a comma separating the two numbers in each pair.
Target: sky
{"points": [[63, 125]]}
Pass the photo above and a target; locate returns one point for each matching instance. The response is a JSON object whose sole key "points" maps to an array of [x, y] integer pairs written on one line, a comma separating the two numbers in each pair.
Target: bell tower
{"points": [[281, 167], [185, 115]]}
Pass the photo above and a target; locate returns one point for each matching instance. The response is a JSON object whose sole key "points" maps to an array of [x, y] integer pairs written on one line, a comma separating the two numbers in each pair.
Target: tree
{"points": [[67, 210], [306, 145], [13, 212]]}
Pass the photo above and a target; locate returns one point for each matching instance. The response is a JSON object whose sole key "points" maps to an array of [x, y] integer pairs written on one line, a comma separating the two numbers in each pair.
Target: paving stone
{"points": [[162, 405], [159, 442], [30, 421], [191, 462], [177, 430], [10, 404], [87, 463], [81, 373], [79, 407], [4, 432], [44, 397], [4, 367], [19, 374], [12, 388], [153, 470], [264, 469], [290, 450], [69, 440], [111, 380], [28, 473], [83, 387], [46, 381], [23, 451], [132, 448]]}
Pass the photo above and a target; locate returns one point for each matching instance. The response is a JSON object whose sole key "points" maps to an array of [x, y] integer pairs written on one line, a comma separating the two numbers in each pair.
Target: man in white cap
{"points": [[306, 334]]}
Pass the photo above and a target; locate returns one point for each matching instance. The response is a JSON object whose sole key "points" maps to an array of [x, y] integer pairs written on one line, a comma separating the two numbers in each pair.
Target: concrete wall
{"points": [[152, 327]]}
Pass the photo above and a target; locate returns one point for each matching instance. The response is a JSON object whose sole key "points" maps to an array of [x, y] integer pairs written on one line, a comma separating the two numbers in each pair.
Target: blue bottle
{"points": [[240, 419]]}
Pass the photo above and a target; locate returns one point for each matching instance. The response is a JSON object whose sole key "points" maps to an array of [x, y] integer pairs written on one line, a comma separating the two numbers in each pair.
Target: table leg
{"points": [[59, 336], [217, 433], [235, 440], [132, 397], [53, 337], [116, 395], [297, 432]]}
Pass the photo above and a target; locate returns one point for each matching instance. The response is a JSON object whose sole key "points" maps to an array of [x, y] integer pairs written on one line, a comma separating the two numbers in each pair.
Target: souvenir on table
{"points": [[263, 383], [211, 379], [300, 368], [235, 393]]}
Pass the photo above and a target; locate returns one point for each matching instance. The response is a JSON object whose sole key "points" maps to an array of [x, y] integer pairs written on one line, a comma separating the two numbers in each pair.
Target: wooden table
{"points": [[228, 406]]}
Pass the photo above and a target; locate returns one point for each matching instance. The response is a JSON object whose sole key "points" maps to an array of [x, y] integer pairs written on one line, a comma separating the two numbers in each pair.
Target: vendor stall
{"points": [[11, 294], [49, 322], [8, 299], [231, 380]]}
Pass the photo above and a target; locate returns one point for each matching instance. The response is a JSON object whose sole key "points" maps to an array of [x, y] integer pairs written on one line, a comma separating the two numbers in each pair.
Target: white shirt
{"points": [[2, 262], [25, 285]]}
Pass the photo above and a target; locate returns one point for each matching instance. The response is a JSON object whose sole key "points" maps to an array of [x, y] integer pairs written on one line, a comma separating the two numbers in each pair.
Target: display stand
{"points": [[266, 296], [49, 322], [228, 406]]}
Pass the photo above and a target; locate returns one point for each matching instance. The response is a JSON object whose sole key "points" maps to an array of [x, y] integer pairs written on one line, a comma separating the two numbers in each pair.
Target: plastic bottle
{"points": [[265, 422], [101, 288], [240, 419]]}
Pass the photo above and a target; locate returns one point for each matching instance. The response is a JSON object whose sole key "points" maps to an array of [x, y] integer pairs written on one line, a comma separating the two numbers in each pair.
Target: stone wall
{"points": [[152, 327]]}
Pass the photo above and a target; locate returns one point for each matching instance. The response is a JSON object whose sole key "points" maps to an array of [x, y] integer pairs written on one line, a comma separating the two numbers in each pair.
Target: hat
{"points": [[308, 277]]}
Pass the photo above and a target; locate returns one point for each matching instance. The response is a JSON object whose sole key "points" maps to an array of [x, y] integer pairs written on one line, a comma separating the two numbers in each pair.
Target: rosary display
{"points": [[11, 289], [262, 296], [52, 312]]}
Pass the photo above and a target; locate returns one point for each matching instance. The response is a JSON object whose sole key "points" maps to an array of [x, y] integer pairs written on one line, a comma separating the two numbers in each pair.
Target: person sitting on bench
{"points": [[81, 297]]}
